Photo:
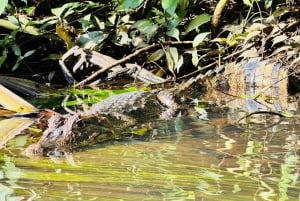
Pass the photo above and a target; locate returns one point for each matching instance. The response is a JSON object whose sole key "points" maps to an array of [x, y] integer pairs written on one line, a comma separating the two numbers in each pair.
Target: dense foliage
{"points": [[193, 34]]}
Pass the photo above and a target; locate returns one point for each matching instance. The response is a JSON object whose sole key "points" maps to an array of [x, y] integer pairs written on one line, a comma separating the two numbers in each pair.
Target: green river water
{"points": [[207, 160]]}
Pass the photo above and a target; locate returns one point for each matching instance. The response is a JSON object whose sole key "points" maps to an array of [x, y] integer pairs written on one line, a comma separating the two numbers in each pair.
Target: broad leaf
{"points": [[92, 39], [64, 34], [174, 33], [17, 64], [3, 57], [268, 3], [156, 55], [8, 25], [147, 27], [13, 20], [252, 53], [195, 58], [31, 30], [29, 53], [169, 6], [280, 11], [128, 4], [65, 10], [198, 21], [174, 61], [183, 4], [13, 102], [9, 128], [279, 39], [296, 39], [252, 35], [248, 2], [16, 49], [200, 38], [281, 49], [21, 23], [3, 4], [179, 63]]}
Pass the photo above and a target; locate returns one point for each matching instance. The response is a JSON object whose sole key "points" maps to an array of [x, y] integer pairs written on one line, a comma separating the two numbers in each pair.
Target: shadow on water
{"points": [[205, 160]]}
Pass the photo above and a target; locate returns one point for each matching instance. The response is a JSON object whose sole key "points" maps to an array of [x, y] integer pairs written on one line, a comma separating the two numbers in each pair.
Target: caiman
{"points": [[114, 118], [262, 85]]}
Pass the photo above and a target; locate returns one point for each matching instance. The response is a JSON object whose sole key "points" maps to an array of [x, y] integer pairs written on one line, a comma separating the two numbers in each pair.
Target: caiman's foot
{"points": [[34, 150]]}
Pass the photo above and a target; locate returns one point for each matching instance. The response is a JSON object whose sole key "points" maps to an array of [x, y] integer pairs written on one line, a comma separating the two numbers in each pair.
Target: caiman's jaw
{"points": [[59, 133], [59, 130]]}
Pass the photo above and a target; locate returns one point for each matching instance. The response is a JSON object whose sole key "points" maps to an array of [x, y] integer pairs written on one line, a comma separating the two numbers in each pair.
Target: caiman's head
{"points": [[59, 132], [65, 132]]}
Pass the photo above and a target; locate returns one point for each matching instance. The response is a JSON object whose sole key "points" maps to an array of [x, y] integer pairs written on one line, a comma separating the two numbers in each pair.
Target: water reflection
{"points": [[207, 160]]}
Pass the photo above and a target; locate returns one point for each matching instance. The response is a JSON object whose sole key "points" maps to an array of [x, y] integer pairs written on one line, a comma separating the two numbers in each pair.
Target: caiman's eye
{"points": [[79, 124]]}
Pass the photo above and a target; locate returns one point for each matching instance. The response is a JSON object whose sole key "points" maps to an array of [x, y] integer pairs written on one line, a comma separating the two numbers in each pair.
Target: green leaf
{"points": [[174, 61], [65, 10], [86, 22], [200, 38], [248, 2], [174, 33], [169, 6], [198, 21], [179, 63], [30, 10], [183, 4], [91, 39], [3, 4], [16, 49], [280, 11], [195, 59], [17, 64], [156, 55], [173, 23], [13, 24], [31, 30], [146, 27], [3, 57], [29, 53], [8, 25], [129, 4], [268, 3], [13, 20], [251, 36]]}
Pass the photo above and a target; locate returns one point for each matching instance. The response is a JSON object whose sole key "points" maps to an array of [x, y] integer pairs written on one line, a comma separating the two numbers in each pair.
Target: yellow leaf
{"points": [[64, 35], [140, 131], [13, 102], [9, 128]]}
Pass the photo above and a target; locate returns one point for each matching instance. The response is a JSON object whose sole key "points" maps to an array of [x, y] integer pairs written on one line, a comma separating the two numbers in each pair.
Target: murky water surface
{"points": [[203, 160]]}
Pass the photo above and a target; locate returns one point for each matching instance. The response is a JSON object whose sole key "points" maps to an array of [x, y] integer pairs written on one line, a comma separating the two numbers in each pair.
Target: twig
{"points": [[197, 71], [64, 105], [238, 52], [127, 58], [262, 112]]}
